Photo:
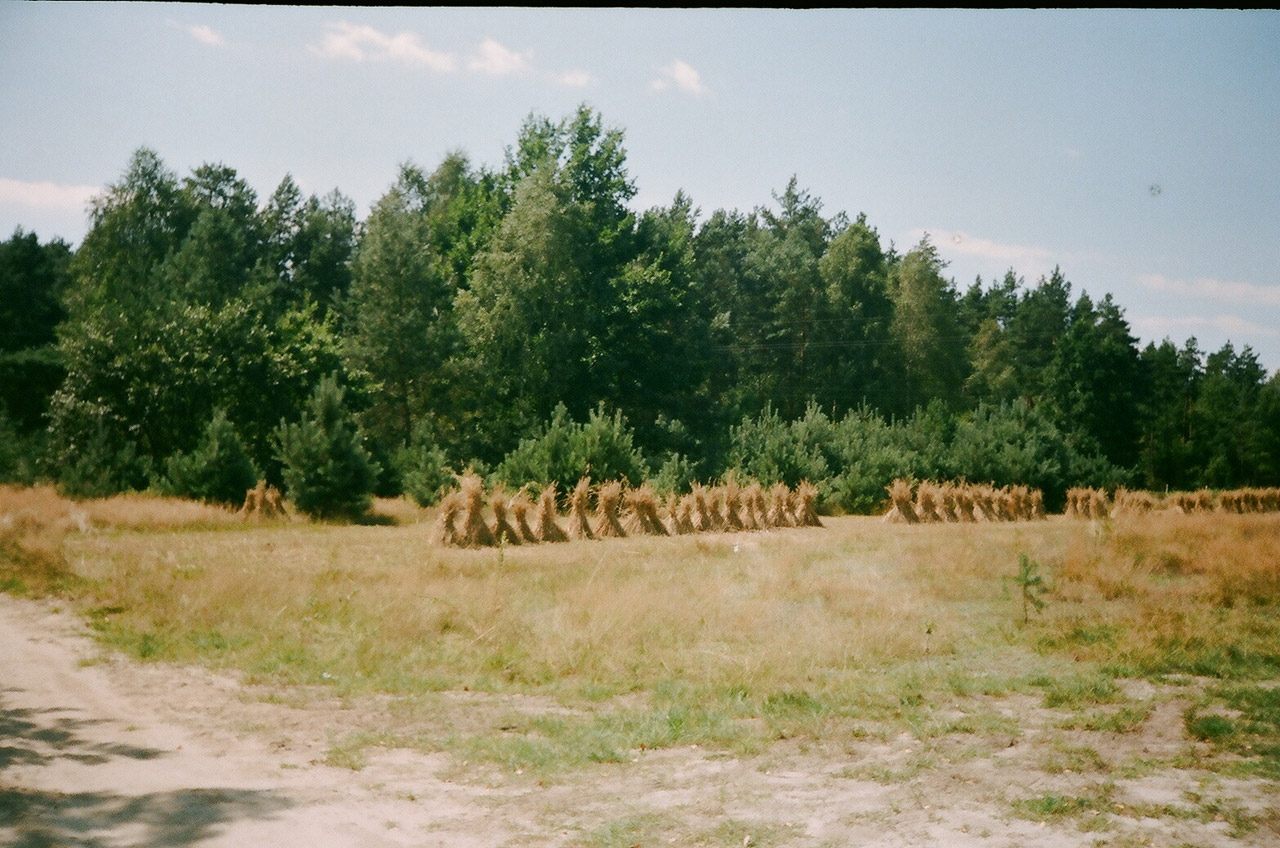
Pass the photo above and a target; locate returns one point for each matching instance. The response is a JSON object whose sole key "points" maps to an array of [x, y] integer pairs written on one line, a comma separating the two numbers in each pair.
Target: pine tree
{"points": [[217, 471], [327, 471]]}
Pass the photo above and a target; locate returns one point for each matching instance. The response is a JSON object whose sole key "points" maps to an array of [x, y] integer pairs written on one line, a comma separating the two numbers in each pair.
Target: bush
{"points": [[217, 471], [21, 454], [675, 476], [97, 467], [565, 451], [327, 471], [773, 451], [425, 473]]}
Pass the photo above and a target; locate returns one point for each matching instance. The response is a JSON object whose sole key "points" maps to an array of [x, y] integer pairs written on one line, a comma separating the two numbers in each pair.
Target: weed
{"points": [[1252, 732], [1077, 690], [1055, 806], [1074, 759], [1122, 720], [637, 829], [1031, 585]]}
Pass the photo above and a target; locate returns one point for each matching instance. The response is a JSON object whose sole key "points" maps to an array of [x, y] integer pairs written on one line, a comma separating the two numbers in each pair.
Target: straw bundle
{"points": [[579, 524], [947, 508], [1037, 505], [755, 510], [475, 533], [642, 512], [903, 510], [782, 511], [927, 502], [608, 505], [1129, 502], [262, 503], [445, 531], [502, 529], [732, 520], [984, 508], [715, 509], [701, 513], [807, 505], [521, 506], [1020, 503], [681, 515], [544, 525]]}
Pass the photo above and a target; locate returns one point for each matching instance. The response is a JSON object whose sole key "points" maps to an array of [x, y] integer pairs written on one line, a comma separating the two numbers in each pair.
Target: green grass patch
{"points": [[1077, 690], [1053, 806], [1124, 719], [1252, 734]]}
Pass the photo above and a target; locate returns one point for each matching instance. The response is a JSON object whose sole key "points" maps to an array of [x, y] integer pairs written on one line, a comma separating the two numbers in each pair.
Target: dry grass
{"points": [[806, 630], [1181, 593]]}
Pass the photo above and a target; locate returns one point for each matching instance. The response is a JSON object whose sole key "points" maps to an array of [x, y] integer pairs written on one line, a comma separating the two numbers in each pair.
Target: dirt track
{"points": [[99, 751]]}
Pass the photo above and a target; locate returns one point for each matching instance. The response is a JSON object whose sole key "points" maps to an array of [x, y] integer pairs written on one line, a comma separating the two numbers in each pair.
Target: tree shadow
{"points": [[33, 818]]}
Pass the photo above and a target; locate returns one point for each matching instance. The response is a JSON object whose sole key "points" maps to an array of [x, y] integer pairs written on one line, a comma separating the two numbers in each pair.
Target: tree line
{"points": [[523, 320]]}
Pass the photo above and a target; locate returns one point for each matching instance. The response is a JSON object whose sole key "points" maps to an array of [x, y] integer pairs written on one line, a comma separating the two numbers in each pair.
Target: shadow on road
{"points": [[34, 818]]}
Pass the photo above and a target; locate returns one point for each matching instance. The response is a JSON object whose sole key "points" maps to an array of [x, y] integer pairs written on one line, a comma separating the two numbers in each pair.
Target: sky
{"points": [[1137, 151]]}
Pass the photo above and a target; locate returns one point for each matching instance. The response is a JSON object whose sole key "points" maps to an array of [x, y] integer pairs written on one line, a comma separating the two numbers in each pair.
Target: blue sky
{"points": [[1137, 150]]}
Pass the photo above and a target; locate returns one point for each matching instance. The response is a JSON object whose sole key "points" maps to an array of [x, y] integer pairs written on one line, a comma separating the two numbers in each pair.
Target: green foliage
{"points": [[21, 454], [926, 327], [675, 476], [425, 471], [782, 343], [772, 451], [401, 331], [1031, 586], [218, 470], [153, 380], [327, 471], [33, 279], [564, 451], [98, 463]]}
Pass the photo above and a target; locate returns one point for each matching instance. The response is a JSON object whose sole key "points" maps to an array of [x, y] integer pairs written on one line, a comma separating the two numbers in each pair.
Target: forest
{"points": [[523, 321]]}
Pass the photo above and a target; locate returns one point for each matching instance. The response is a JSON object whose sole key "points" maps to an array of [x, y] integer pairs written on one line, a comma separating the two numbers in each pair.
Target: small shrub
{"points": [[327, 471], [425, 472], [565, 451], [217, 471], [1032, 586]]}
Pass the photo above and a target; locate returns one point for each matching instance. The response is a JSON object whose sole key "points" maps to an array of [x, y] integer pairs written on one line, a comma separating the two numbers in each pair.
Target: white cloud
{"points": [[1006, 254], [499, 61], [202, 33], [1232, 326], [46, 195], [1025, 259], [682, 76], [1207, 288], [574, 79], [361, 43], [206, 35]]}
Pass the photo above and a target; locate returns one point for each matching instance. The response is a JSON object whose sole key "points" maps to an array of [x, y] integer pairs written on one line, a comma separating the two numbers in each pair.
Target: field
{"points": [[1051, 682]]}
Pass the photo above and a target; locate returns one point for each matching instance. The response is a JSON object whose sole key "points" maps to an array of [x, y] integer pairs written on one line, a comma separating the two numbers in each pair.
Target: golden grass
{"points": [[857, 611], [1193, 593]]}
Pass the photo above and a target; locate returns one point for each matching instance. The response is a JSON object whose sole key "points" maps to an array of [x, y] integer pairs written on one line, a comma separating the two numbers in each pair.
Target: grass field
{"points": [[548, 659]]}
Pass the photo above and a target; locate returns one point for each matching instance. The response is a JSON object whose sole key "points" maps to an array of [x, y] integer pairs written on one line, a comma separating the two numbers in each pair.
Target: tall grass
{"points": [[1165, 593], [802, 630]]}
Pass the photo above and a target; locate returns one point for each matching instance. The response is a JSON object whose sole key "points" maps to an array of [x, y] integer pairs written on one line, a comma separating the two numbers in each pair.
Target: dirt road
{"points": [[95, 751], [99, 751]]}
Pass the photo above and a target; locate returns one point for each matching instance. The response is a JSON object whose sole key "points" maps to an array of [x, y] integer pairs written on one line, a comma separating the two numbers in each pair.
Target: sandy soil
{"points": [[99, 751]]}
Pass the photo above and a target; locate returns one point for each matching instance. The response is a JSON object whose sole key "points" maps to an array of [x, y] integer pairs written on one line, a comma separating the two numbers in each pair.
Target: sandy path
{"points": [[91, 755]]}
